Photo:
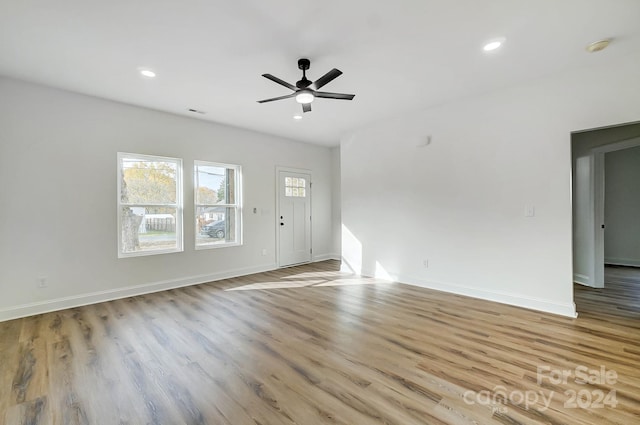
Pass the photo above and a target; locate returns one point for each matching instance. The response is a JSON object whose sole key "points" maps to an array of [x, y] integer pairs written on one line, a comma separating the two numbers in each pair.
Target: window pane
{"points": [[211, 184], [216, 184], [215, 225], [148, 181], [144, 181], [295, 186], [148, 229]]}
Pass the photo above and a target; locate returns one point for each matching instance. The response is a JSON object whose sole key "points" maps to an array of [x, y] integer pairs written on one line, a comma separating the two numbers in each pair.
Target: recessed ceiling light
{"points": [[147, 73], [297, 117], [596, 46], [493, 44]]}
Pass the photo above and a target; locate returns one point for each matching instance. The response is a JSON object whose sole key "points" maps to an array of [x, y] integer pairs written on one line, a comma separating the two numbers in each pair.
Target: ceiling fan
{"points": [[305, 91]]}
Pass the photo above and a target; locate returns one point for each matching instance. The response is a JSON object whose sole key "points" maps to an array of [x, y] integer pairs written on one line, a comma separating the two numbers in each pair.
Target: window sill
{"points": [[216, 246], [147, 253]]}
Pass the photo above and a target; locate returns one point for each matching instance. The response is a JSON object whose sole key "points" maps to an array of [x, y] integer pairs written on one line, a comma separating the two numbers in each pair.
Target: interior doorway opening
{"points": [[589, 150]]}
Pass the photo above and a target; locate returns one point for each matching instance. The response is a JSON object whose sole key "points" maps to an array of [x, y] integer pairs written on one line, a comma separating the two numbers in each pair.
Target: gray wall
{"points": [[622, 207]]}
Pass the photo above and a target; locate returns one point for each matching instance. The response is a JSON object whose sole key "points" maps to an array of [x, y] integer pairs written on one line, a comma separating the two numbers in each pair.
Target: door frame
{"points": [[277, 215], [597, 181]]}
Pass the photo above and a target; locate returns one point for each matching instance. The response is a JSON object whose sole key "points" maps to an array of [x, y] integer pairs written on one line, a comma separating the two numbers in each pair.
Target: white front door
{"points": [[294, 218]]}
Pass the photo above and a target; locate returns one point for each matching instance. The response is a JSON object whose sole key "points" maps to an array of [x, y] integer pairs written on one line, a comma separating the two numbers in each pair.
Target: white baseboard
{"points": [[113, 294], [622, 262], [547, 306], [130, 291], [325, 257], [582, 279]]}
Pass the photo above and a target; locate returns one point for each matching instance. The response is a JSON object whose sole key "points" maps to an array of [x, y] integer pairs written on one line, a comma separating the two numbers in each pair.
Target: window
{"points": [[149, 205], [217, 204], [295, 186]]}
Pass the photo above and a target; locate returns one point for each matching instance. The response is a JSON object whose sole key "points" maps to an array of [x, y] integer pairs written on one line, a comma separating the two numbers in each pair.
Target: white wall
{"points": [[336, 202], [583, 221], [622, 207], [58, 194], [459, 202]]}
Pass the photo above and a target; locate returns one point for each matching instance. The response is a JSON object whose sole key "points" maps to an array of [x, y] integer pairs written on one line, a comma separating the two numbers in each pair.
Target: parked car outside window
{"points": [[215, 229]]}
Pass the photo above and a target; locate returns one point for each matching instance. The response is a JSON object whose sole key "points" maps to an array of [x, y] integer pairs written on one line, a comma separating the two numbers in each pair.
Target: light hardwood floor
{"points": [[310, 345]]}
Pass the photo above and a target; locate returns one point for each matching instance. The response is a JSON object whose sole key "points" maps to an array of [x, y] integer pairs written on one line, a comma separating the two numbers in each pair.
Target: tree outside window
{"points": [[149, 204]]}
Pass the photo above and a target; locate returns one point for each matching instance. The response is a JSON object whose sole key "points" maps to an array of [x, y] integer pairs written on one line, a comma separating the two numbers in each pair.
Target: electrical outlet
{"points": [[264, 251], [425, 263], [42, 281]]}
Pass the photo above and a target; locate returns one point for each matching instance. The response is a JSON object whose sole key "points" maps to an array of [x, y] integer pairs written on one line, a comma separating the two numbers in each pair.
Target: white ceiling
{"points": [[396, 56]]}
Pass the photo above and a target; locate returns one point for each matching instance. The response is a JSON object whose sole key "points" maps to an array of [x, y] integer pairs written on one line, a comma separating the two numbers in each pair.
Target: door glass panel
{"points": [[295, 187]]}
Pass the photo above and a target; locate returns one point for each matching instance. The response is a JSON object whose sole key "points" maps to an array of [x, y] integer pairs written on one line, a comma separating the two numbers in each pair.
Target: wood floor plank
{"points": [[311, 345], [33, 412], [68, 405], [9, 362], [31, 378]]}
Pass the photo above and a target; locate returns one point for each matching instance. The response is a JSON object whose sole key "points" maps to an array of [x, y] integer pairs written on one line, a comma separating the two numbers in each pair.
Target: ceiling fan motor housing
{"points": [[304, 64], [303, 84]]}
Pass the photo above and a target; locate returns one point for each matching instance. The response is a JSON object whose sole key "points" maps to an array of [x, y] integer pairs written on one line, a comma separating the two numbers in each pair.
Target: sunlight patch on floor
{"points": [[323, 275], [358, 282], [307, 283], [272, 285]]}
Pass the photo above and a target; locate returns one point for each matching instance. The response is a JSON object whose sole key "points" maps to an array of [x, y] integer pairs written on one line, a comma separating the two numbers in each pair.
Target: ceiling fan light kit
{"points": [[304, 96], [305, 91]]}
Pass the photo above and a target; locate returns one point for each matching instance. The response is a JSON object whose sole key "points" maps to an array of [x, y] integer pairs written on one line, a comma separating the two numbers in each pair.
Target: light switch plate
{"points": [[529, 211]]}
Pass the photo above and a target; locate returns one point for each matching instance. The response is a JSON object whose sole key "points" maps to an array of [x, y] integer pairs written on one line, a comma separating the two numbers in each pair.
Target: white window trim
{"points": [[237, 206], [179, 205]]}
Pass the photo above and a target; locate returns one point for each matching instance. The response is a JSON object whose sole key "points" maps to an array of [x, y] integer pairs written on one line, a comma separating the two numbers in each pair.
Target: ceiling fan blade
{"points": [[306, 107], [277, 98], [326, 78], [279, 81], [326, 95]]}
